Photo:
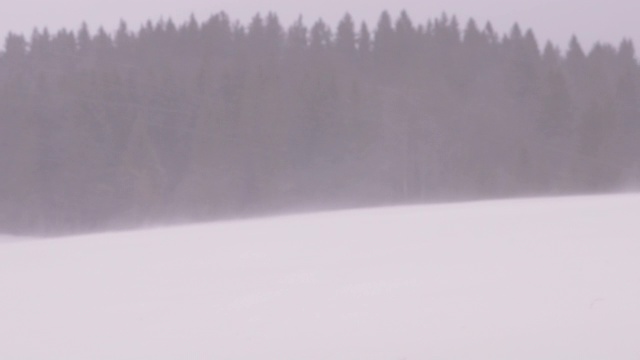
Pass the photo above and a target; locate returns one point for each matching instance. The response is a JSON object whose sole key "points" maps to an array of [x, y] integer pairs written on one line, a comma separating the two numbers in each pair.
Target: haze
{"points": [[607, 21]]}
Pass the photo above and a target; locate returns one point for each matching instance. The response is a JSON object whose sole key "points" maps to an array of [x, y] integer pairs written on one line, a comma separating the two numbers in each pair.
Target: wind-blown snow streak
{"points": [[528, 279]]}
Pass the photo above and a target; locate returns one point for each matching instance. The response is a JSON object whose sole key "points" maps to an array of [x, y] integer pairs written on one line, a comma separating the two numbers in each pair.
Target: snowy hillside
{"points": [[528, 279]]}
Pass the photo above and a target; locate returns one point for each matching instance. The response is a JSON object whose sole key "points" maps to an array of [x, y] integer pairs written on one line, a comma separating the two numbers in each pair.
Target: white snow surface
{"points": [[522, 279]]}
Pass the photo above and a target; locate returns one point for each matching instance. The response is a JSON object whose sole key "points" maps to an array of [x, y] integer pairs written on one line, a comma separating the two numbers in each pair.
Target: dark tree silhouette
{"points": [[203, 121]]}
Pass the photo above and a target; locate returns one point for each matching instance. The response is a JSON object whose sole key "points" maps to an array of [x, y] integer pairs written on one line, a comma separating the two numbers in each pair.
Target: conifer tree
{"points": [[346, 37]]}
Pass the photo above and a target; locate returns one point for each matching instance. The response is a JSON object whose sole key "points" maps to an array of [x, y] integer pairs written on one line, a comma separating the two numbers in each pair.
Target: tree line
{"points": [[218, 119]]}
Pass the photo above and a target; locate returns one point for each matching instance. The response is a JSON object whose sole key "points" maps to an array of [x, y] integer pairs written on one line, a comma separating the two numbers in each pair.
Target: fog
{"points": [[557, 20], [200, 121], [131, 149]]}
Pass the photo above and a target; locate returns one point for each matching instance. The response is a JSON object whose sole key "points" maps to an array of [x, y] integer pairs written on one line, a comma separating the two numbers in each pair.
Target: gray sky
{"points": [[595, 20]]}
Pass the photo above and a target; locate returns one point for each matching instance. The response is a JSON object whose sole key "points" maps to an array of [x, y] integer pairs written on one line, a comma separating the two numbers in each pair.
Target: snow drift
{"points": [[525, 279]]}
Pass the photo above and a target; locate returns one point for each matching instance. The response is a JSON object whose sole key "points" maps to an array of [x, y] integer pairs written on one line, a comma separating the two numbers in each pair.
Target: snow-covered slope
{"points": [[528, 279]]}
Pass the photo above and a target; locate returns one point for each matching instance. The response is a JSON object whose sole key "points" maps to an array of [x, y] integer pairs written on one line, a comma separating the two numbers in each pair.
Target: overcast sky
{"points": [[595, 20]]}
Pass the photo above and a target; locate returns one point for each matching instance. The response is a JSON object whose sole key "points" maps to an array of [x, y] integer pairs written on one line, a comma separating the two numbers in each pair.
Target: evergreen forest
{"points": [[216, 119]]}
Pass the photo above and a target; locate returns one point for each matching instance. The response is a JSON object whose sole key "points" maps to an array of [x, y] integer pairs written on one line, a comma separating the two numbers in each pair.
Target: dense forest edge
{"points": [[209, 120]]}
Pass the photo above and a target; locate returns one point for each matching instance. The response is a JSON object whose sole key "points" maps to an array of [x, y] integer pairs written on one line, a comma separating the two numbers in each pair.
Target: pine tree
{"points": [[346, 37]]}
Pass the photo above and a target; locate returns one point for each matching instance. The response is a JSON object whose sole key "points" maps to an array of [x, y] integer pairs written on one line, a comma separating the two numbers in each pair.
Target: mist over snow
{"points": [[219, 117], [522, 279]]}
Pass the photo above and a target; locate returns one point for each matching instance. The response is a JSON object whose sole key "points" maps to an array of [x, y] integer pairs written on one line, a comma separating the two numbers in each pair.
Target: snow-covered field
{"points": [[524, 279]]}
